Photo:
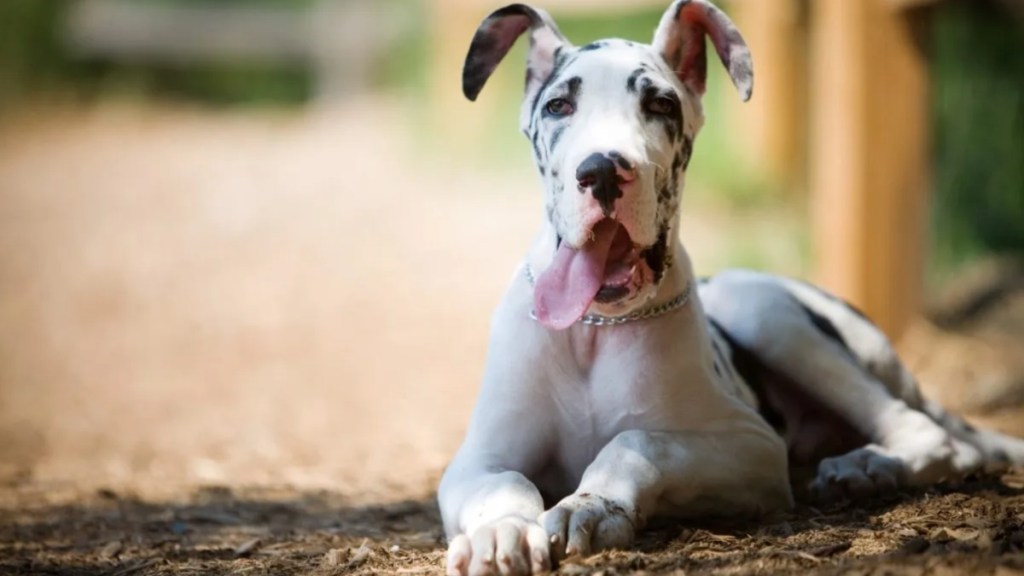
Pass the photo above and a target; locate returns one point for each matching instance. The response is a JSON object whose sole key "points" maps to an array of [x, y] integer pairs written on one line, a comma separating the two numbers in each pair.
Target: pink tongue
{"points": [[567, 288]]}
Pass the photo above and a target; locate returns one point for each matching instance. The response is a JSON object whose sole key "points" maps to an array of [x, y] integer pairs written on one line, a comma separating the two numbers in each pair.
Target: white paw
{"points": [[510, 545], [863, 473], [582, 524], [929, 453]]}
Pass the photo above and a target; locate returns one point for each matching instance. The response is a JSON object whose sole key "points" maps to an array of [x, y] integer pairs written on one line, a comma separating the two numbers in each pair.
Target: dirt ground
{"points": [[228, 347]]}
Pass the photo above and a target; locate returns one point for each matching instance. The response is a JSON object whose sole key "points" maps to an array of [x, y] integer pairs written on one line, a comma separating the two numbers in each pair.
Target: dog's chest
{"points": [[633, 382]]}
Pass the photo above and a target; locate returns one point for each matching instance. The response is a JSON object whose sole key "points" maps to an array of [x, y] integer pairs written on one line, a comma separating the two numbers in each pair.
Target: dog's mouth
{"points": [[605, 270]]}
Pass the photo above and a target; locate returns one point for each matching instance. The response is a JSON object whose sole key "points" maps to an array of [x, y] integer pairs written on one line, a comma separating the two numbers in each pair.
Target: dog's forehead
{"points": [[613, 60]]}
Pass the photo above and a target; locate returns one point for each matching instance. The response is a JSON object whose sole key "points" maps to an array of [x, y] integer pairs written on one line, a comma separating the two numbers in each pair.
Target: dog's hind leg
{"points": [[1000, 450], [840, 360], [873, 351]]}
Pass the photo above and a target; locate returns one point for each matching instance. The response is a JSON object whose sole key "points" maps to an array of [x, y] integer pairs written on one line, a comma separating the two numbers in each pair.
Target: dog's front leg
{"points": [[488, 503], [491, 517], [641, 474]]}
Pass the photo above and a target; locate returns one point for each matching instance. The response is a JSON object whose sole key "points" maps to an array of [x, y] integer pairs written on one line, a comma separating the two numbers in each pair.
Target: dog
{"points": [[618, 387]]}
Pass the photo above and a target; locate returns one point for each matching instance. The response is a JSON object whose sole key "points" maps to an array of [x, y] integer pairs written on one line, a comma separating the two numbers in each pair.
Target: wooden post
{"points": [[868, 155], [772, 125]]}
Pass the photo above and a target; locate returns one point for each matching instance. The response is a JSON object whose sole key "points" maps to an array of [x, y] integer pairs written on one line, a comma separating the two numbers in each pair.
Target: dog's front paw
{"points": [[583, 524], [510, 545]]}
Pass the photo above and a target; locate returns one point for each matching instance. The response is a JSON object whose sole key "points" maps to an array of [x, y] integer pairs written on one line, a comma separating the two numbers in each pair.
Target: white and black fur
{"points": [[580, 435]]}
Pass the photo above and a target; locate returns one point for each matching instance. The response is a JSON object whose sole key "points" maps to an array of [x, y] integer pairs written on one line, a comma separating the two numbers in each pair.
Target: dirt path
{"points": [[226, 346], [977, 528]]}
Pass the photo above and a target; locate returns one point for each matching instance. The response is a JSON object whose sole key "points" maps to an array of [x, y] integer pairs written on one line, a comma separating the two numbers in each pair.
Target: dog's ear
{"points": [[496, 35], [680, 40]]}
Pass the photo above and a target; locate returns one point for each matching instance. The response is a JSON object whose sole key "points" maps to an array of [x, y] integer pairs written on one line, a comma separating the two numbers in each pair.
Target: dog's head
{"points": [[612, 125]]}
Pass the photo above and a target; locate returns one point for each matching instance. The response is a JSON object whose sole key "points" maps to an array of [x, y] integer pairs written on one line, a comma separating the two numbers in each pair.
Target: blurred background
{"points": [[259, 241]]}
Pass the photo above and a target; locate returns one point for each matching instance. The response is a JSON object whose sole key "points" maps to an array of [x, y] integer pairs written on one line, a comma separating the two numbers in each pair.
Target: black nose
{"points": [[598, 174]]}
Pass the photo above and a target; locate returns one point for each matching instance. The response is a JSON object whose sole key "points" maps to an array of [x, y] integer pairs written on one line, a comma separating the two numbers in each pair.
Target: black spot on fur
{"points": [[556, 135], [655, 255], [754, 373], [825, 326], [594, 46], [620, 160], [677, 162], [665, 194], [574, 87], [719, 356], [536, 146], [838, 300], [682, 158], [633, 77], [687, 151]]}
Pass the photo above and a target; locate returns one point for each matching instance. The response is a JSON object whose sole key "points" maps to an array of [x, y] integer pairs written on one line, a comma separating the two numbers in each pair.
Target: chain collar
{"points": [[641, 314]]}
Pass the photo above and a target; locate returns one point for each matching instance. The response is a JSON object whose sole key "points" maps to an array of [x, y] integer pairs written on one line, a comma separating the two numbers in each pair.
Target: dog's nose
{"points": [[603, 175]]}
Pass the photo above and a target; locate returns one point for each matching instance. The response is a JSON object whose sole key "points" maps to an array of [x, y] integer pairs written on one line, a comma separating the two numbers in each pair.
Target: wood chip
{"points": [[831, 549], [247, 547], [138, 566], [807, 556], [360, 556], [335, 557], [111, 550]]}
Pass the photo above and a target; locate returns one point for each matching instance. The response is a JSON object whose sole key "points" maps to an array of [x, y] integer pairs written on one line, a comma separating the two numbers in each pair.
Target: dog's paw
{"points": [[929, 452], [863, 473], [583, 524], [508, 546]]}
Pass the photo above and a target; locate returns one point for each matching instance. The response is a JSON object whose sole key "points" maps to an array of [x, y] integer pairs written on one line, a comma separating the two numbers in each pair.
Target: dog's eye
{"points": [[661, 105], [559, 107]]}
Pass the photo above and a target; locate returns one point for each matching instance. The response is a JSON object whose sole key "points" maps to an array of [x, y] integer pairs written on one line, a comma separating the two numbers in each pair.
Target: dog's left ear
{"points": [[680, 40]]}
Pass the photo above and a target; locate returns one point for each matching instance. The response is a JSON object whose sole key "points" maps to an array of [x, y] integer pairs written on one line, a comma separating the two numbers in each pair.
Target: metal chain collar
{"points": [[642, 314]]}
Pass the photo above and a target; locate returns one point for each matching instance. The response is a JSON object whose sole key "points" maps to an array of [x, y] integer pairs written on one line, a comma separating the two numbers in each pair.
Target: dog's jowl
{"points": [[618, 387]]}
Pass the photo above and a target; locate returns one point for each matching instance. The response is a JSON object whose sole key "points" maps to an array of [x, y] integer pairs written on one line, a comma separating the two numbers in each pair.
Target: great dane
{"points": [[618, 386]]}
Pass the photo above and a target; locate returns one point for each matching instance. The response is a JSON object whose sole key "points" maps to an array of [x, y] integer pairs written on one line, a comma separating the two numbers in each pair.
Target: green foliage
{"points": [[978, 104], [30, 53], [33, 59]]}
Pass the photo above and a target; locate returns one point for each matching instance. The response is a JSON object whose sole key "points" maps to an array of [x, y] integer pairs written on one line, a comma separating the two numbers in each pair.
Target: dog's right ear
{"points": [[496, 35]]}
